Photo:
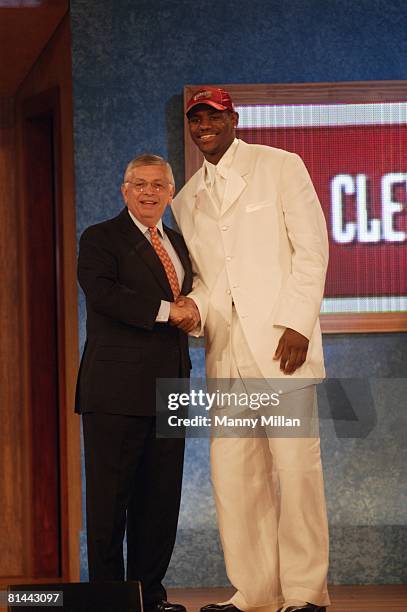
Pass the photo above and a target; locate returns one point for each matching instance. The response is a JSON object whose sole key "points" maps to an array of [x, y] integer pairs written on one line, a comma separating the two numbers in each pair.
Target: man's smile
{"points": [[207, 137], [149, 203]]}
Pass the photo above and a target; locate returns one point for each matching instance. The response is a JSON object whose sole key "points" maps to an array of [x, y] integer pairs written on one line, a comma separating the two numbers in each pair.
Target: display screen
{"points": [[356, 155]]}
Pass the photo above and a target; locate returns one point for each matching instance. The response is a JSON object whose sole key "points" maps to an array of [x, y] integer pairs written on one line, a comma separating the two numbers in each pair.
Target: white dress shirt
{"points": [[216, 175]]}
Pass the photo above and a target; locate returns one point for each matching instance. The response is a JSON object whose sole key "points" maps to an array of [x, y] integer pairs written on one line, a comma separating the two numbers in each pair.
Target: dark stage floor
{"points": [[345, 598]]}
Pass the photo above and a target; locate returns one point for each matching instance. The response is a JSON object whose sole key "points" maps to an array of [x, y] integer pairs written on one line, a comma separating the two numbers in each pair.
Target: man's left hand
{"points": [[291, 350]]}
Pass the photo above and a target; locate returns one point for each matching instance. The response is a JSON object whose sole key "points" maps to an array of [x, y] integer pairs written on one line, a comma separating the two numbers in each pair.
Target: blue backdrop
{"points": [[131, 59]]}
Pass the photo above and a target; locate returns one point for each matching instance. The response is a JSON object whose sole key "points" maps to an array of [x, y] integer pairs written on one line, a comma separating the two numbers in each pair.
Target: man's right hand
{"points": [[184, 313]]}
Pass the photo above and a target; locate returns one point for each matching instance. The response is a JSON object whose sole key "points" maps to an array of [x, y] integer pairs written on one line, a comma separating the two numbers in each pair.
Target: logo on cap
{"points": [[203, 94]]}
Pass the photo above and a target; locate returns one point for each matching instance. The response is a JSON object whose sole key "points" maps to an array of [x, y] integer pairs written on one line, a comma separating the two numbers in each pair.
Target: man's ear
{"points": [[172, 193], [235, 120]]}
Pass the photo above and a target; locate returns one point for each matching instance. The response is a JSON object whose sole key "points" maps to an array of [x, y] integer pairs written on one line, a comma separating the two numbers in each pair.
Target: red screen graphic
{"points": [[360, 175]]}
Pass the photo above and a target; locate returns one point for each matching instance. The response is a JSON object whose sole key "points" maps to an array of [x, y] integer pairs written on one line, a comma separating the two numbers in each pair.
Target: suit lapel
{"points": [[236, 183], [145, 250]]}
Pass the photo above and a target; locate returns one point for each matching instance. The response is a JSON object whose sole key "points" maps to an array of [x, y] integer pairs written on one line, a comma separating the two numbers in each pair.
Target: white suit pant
{"points": [[270, 504]]}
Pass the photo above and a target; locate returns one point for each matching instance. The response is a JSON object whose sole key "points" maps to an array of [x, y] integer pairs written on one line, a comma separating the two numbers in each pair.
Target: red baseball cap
{"points": [[212, 96]]}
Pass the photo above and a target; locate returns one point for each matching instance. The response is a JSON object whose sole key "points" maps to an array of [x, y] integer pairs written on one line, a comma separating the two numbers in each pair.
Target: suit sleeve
{"points": [[300, 299], [98, 276], [199, 292]]}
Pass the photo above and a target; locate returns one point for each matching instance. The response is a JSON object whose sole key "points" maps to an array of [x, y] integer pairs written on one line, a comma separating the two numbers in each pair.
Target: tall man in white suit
{"points": [[257, 237]]}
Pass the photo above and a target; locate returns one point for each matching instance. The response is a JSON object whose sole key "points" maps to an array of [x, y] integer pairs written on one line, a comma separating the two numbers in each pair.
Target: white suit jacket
{"points": [[266, 249]]}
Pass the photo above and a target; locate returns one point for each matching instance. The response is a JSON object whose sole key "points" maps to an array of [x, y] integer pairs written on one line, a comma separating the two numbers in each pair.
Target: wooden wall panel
{"points": [[54, 70], [18, 527], [41, 242], [13, 485]]}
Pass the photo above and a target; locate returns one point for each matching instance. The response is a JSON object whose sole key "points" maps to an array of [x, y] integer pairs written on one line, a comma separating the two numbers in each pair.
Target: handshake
{"points": [[184, 313]]}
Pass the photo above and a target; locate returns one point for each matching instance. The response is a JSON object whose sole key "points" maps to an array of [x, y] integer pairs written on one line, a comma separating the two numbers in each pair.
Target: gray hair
{"points": [[148, 159]]}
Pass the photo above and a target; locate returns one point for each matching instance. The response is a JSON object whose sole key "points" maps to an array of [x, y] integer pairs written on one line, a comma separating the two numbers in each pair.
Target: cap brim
{"points": [[207, 103]]}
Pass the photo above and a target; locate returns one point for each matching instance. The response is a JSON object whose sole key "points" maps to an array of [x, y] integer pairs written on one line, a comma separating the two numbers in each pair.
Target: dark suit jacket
{"points": [[126, 350]]}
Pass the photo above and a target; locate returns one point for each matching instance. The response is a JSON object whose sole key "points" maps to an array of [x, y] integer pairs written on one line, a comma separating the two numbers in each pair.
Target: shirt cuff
{"points": [[164, 312]]}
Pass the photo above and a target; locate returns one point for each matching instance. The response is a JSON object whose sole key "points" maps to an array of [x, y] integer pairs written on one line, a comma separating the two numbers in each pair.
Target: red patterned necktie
{"points": [[166, 261]]}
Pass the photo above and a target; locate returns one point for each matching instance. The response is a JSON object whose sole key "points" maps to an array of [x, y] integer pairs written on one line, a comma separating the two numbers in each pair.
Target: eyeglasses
{"points": [[142, 186]]}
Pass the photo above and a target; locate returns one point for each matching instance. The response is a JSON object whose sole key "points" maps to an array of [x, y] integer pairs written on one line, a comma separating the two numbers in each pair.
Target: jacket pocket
{"points": [[258, 205]]}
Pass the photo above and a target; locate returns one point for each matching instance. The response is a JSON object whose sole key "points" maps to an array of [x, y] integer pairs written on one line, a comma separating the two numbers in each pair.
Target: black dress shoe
{"points": [[306, 608], [166, 606], [228, 607]]}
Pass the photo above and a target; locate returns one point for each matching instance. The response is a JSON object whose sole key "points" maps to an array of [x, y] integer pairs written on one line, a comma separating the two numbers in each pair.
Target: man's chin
{"points": [[208, 148]]}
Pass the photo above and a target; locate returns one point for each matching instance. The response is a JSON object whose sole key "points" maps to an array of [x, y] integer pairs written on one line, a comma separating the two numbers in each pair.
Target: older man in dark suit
{"points": [[133, 269]]}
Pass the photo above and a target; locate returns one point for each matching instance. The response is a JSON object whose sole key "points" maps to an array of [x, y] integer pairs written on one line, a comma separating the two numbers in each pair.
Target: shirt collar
{"points": [[223, 165], [144, 228]]}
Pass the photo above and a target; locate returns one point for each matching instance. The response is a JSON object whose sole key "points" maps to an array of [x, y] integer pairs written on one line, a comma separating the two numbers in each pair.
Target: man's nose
{"points": [[205, 123], [148, 188]]}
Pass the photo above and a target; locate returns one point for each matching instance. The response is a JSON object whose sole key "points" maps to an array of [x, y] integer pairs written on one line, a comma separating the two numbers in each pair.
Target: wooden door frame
{"points": [[46, 103]]}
